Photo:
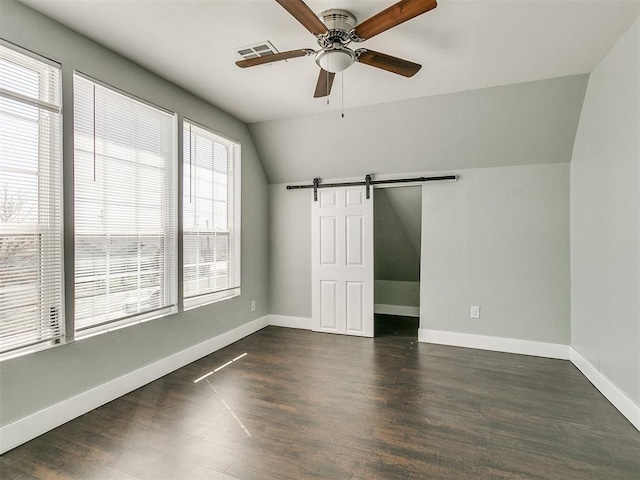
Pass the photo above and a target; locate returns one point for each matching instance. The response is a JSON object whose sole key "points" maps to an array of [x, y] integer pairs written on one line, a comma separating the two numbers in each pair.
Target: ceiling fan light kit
{"points": [[335, 59], [335, 29]]}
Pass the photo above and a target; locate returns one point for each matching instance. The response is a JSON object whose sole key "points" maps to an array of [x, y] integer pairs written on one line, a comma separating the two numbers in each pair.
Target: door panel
{"points": [[328, 305], [327, 198], [328, 240], [355, 197], [342, 261], [355, 240], [355, 304]]}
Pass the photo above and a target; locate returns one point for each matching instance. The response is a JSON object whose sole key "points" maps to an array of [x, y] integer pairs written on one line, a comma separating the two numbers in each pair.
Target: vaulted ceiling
{"points": [[462, 45], [521, 124]]}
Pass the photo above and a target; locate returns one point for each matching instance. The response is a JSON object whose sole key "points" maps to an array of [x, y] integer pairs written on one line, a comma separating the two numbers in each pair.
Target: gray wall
{"points": [[519, 124], [290, 240], [605, 219], [396, 254], [33, 382], [523, 124], [407, 203], [498, 238]]}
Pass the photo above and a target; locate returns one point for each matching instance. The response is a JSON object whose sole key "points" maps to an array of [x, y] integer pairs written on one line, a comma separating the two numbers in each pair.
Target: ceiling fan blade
{"points": [[388, 63], [252, 62], [301, 12], [394, 15], [325, 81]]}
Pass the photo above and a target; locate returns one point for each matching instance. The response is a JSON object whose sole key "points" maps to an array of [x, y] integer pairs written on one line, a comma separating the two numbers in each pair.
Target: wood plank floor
{"points": [[304, 405]]}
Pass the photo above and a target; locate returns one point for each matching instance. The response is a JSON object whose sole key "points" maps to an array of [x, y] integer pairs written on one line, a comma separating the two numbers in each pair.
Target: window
{"points": [[125, 209], [30, 201], [211, 216]]}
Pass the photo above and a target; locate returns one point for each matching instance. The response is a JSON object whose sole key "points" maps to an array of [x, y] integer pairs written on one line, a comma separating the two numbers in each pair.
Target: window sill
{"points": [[127, 322], [207, 299]]}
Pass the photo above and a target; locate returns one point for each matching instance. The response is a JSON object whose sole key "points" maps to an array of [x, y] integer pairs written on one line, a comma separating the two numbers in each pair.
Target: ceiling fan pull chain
{"points": [[327, 87], [342, 78]]}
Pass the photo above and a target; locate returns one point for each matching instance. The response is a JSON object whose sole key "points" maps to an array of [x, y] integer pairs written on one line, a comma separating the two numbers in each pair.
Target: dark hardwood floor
{"points": [[304, 405]]}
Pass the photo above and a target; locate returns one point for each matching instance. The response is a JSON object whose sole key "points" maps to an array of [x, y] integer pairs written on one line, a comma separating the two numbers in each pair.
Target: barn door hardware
{"points": [[368, 183]]}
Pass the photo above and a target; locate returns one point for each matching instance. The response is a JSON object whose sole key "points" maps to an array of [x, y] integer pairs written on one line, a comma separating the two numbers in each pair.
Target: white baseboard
{"points": [[626, 406], [497, 344], [290, 322], [51, 417], [400, 310]]}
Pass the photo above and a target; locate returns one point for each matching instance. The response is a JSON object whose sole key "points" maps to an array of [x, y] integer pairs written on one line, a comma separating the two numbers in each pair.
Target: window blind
{"points": [[125, 209], [30, 201], [211, 216]]}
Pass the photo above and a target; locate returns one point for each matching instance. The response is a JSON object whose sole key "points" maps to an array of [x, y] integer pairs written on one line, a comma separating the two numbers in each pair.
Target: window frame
{"points": [[234, 214], [48, 228], [169, 234]]}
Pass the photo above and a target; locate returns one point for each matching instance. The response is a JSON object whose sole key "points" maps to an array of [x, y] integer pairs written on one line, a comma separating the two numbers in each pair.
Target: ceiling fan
{"points": [[335, 29]]}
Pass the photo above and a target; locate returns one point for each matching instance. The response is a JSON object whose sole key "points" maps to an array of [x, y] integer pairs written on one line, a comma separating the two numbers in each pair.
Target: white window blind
{"points": [[125, 209], [30, 201], [211, 216]]}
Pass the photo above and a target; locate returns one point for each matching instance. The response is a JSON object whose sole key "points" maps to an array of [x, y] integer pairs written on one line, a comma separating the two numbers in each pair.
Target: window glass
{"points": [[125, 225], [211, 216], [30, 202]]}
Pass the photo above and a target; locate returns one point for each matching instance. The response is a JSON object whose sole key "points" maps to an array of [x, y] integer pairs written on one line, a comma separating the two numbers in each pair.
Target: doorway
{"points": [[397, 255]]}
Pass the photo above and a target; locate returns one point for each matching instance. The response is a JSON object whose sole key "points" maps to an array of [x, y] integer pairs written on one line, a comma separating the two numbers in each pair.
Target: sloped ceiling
{"points": [[462, 45], [397, 227], [407, 204], [520, 124]]}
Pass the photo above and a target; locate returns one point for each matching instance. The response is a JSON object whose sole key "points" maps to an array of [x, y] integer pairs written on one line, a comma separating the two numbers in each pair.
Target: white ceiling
{"points": [[462, 45]]}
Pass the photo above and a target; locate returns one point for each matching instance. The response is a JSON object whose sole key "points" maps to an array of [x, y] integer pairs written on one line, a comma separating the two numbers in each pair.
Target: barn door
{"points": [[342, 261]]}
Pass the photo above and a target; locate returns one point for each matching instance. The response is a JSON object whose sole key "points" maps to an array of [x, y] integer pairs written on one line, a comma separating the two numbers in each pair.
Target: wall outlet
{"points": [[253, 305], [475, 311]]}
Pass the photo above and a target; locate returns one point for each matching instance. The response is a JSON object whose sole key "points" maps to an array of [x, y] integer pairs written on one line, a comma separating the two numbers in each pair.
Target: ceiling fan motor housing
{"points": [[335, 56], [339, 23]]}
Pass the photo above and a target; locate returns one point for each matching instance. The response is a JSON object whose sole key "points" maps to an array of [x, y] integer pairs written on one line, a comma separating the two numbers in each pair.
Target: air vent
{"points": [[261, 49]]}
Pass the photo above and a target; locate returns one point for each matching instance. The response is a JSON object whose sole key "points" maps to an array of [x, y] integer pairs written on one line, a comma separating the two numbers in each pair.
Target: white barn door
{"points": [[342, 261]]}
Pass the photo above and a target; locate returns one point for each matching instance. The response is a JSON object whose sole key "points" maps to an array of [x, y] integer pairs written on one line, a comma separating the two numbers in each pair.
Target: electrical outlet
{"points": [[253, 305], [475, 311]]}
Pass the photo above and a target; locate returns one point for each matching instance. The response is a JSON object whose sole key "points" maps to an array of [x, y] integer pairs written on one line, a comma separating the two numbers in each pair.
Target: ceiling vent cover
{"points": [[260, 49]]}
